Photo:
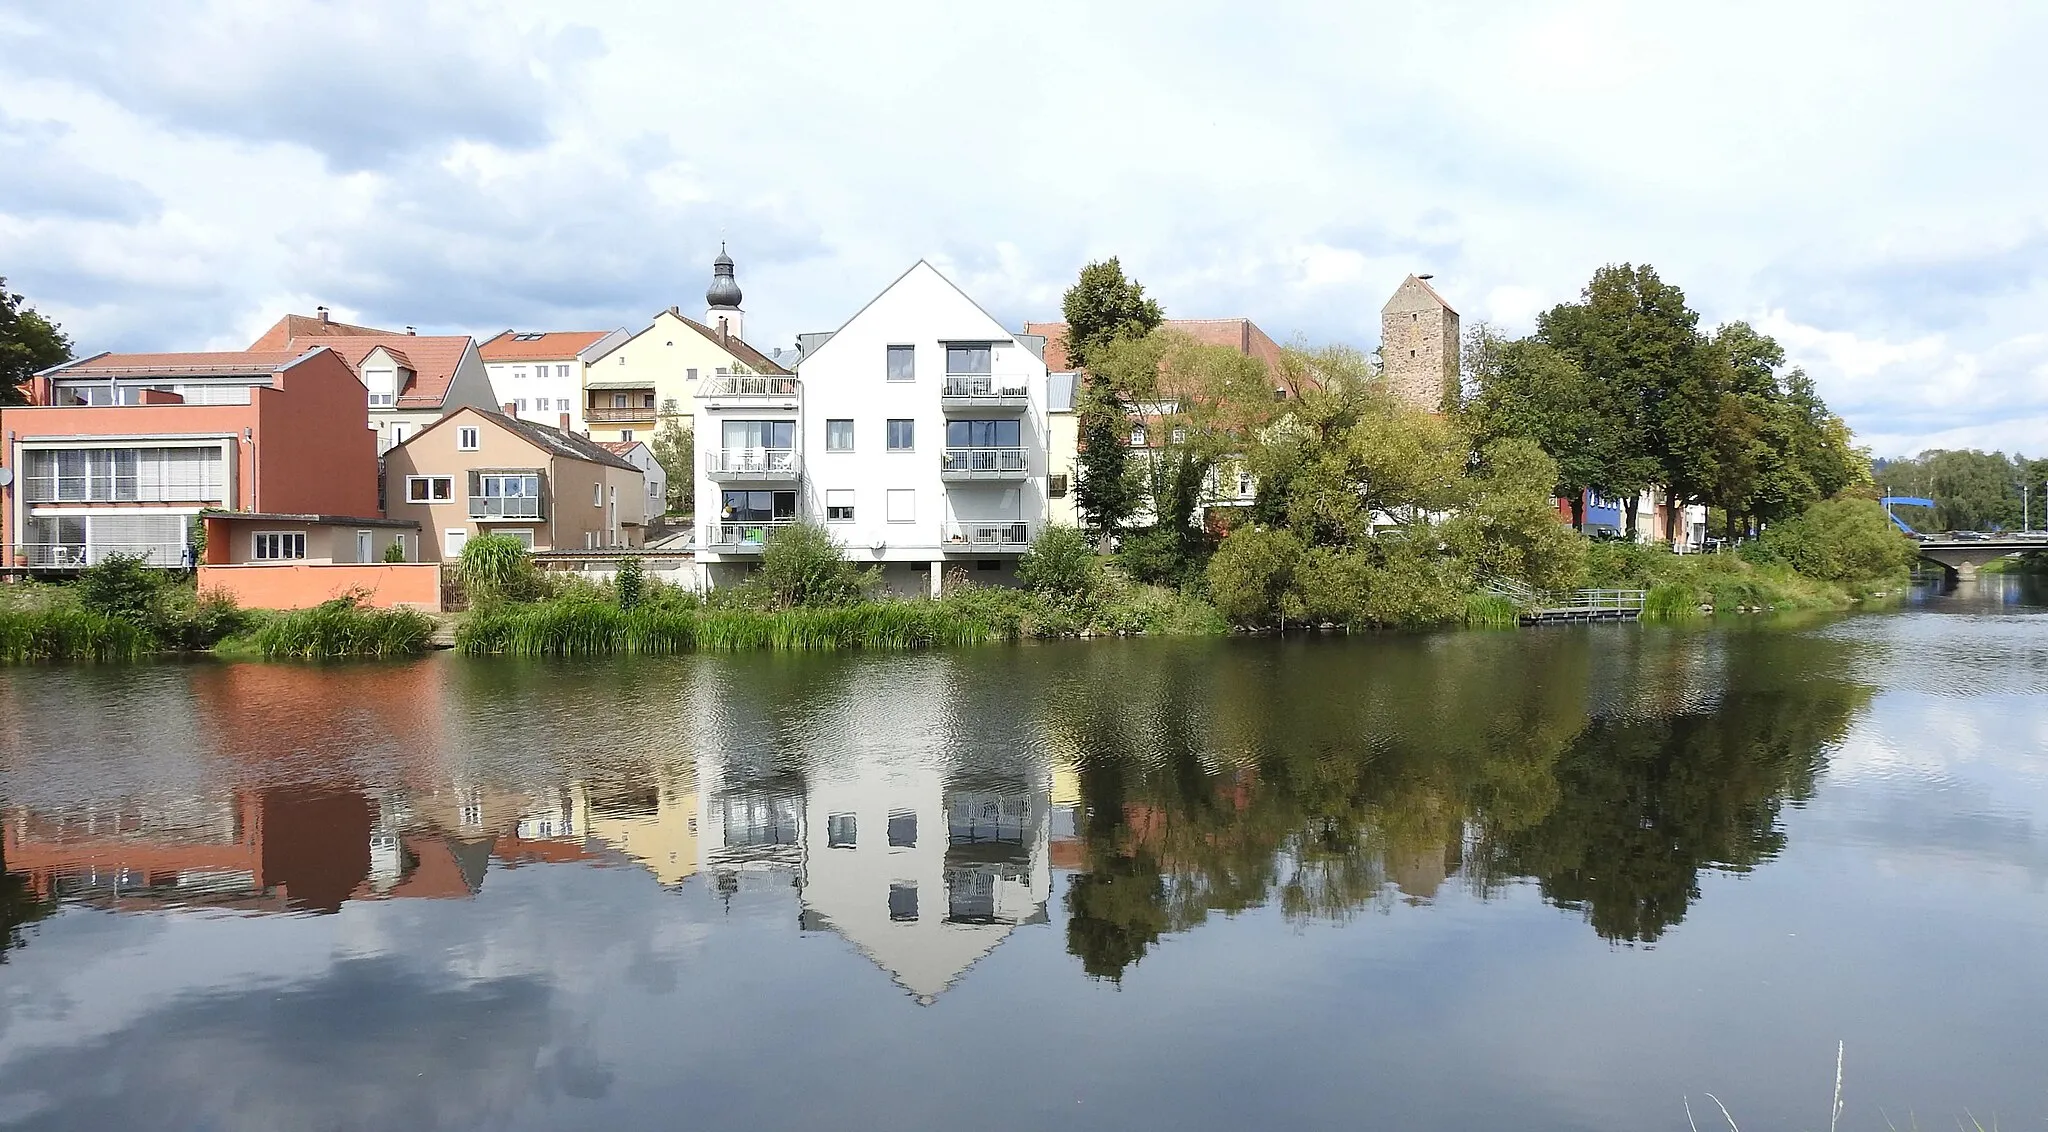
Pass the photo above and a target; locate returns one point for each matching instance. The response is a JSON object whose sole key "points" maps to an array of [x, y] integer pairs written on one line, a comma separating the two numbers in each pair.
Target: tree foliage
{"points": [[1840, 540], [675, 449], [29, 344], [1972, 490], [801, 564], [1103, 306], [1060, 564]]}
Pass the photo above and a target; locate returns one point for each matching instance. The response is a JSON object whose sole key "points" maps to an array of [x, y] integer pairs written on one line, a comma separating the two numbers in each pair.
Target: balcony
{"points": [[504, 508], [79, 555], [986, 536], [982, 392], [753, 465], [740, 538], [958, 465], [614, 414], [748, 391]]}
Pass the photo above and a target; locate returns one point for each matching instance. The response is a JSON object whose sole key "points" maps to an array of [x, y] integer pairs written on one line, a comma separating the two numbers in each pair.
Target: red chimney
{"points": [[511, 410], [564, 426]]}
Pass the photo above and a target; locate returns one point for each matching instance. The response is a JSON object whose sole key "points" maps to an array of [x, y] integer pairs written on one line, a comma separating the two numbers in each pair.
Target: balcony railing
{"points": [[619, 413], [504, 507], [748, 387], [984, 464], [993, 536], [78, 555], [741, 538], [753, 463], [983, 391]]}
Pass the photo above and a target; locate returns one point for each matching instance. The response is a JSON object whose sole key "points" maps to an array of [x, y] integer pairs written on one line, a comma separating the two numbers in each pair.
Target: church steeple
{"points": [[723, 296]]}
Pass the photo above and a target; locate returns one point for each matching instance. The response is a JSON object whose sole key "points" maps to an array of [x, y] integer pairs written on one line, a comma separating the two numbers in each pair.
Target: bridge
{"points": [[1960, 553]]}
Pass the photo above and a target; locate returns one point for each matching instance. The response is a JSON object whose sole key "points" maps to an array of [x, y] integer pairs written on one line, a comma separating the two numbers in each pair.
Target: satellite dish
{"points": [[6, 476], [880, 544]]}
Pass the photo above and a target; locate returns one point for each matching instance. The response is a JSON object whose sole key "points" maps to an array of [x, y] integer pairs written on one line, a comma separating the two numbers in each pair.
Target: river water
{"points": [[1547, 879]]}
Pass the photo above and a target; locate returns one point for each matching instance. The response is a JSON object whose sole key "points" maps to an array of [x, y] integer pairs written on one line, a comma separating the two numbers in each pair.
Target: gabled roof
{"points": [[433, 359], [307, 326], [544, 437], [621, 447], [734, 345], [551, 345], [1414, 293], [893, 284]]}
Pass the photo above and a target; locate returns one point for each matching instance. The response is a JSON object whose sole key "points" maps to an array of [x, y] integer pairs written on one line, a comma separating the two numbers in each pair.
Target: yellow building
{"points": [[654, 376]]}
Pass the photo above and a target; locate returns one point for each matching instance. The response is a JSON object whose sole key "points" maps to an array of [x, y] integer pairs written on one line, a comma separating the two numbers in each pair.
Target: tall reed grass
{"points": [[343, 628], [67, 633], [580, 628]]}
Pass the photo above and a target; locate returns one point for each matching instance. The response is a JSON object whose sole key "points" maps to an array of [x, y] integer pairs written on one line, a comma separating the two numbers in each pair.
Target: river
{"points": [[1549, 879]]}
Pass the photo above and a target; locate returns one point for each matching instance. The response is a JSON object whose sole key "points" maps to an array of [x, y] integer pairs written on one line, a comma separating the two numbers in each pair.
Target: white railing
{"points": [[984, 462], [749, 536], [984, 387], [77, 555], [990, 534], [745, 385], [504, 507], [761, 462]]}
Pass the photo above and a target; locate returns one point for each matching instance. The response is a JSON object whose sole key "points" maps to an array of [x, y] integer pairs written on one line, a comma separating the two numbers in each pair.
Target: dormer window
{"points": [[383, 384]]}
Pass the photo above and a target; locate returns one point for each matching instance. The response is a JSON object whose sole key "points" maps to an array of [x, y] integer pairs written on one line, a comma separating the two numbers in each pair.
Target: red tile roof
{"points": [[212, 362], [619, 447], [1240, 334], [550, 346], [307, 326], [732, 344], [432, 358]]}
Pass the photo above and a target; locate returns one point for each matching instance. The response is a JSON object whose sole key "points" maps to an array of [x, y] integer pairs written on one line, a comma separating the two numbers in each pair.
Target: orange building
{"points": [[117, 453]]}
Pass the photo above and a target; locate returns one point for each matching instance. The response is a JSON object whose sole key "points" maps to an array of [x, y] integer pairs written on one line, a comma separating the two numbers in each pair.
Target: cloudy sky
{"points": [[1861, 180]]}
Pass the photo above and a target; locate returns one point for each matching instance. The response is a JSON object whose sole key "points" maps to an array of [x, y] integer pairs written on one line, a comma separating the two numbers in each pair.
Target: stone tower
{"points": [[722, 298], [1419, 345]]}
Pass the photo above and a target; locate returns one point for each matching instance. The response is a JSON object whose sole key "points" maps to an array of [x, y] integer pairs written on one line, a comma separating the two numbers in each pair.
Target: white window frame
{"points": [[430, 496], [561, 371], [292, 540], [468, 438], [366, 546], [889, 440], [625, 436], [453, 539], [889, 351], [523, 534], [900, 505], [597, 495], [848, 422], [1137, 436], [835, 498]]}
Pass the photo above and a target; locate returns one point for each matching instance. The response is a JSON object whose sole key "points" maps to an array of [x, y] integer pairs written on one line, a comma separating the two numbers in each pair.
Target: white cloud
{"points": [[459, 164]]}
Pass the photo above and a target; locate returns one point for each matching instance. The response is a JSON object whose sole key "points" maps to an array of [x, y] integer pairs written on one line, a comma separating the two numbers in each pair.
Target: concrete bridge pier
{"points": [[1960, 561]]}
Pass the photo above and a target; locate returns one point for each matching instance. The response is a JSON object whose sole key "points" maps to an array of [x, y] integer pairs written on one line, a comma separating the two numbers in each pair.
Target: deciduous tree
{"points": [[29, 344]]}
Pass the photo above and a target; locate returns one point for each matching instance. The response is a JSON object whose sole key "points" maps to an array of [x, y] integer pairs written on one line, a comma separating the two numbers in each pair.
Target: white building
{"points": [[540, 373], [638, 454], [916, 434]]}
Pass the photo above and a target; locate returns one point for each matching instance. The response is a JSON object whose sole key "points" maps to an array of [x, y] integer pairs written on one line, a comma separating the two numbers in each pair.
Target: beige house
{"points": [[477, 472], [656, 375]]}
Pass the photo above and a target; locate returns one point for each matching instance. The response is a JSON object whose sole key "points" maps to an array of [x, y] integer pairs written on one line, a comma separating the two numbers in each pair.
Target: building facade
{"points": [[639, 382], [1419, 345], [916, 434], [477, 472], [117, 454], [541, 373]]}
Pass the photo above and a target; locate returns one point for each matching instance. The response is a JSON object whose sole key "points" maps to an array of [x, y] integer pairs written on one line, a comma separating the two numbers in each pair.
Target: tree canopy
{"points": [[29, 344]]}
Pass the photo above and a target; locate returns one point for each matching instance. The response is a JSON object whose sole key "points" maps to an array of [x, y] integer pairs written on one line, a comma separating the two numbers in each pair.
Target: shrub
{"points": [[631, 583], [395, 552], [1838, 540], [801, 564], [1061, 564], [120, 585], [1252, 573]]}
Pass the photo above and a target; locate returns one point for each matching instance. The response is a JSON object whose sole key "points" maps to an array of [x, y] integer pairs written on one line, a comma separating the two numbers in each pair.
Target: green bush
{"points": [[801, 565], [120, 585], [1252, 575], [1839, 540], [497, 568], [1061, 564], [395, 552]]}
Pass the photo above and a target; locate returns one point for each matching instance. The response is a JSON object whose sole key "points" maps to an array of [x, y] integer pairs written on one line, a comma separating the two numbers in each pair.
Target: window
{"points": [[466, 439], [988, 564], [690, 374], [838, 436], [1244, 483], [778, 436], [398, 434], [756, 506], [452, 541], [902, 435], [429, 489], [1178, 436], [622, 359], [903, 901], [562, 371], [1056, 486], [519, 405], [597, 495], [626, 436], [561, 404], [840, 831], [970, 359], [901, 503], [839, 505], [1137, 436], [618, 400], [902, 829], [902, 363], [524, 535], [380, 400], [982, 434], [519, 373], [280, 544]]}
